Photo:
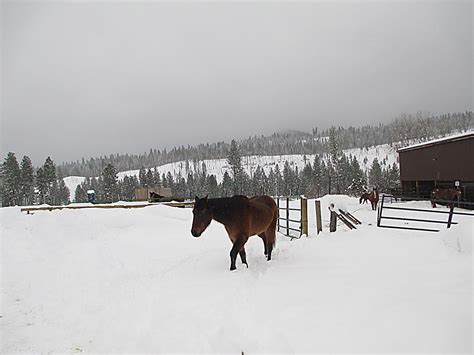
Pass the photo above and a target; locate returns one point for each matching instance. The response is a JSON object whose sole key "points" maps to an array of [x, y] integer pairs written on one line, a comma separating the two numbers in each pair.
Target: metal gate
{"points": [[297, 224], [383, 207]]}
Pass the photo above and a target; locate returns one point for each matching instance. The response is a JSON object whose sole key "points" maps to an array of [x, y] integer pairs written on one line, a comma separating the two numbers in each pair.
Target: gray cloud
{"points": [[84, 79]]}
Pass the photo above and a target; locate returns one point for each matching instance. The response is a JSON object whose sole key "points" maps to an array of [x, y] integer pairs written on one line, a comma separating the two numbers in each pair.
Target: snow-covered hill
{"points": [[136, 281], [384, 153]]}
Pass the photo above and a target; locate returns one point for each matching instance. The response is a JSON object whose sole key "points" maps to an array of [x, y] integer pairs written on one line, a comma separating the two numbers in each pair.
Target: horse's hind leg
{"points": [[264, 238], [270, 240], [243, 256], [238, 245]]}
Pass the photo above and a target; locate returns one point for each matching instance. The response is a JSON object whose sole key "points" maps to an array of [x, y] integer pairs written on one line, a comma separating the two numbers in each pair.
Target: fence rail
{"points": [[106, 206]]}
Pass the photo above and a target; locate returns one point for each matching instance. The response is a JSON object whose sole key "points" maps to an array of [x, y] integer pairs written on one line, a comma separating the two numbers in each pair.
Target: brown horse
{"points": [[446, 195], [373, 197], [242, 217], [364, 198]]}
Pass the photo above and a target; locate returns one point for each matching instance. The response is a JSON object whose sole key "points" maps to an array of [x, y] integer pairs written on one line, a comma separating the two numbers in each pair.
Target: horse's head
{"points": [[202, 216]]}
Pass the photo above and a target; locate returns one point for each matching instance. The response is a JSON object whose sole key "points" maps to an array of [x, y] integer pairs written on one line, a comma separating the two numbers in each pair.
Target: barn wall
{"points": [[447, 161]]}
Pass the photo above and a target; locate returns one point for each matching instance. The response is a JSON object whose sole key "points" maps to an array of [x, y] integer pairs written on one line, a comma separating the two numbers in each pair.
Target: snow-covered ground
{"points": [[135, 280]]}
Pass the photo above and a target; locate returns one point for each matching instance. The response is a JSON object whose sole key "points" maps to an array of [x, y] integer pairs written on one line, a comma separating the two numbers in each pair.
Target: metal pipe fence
{"points": [[448, 222], [301, 227]]}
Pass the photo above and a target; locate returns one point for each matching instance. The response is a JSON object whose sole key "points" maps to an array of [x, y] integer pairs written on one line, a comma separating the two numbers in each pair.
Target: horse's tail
{"points": [[274, 224]]}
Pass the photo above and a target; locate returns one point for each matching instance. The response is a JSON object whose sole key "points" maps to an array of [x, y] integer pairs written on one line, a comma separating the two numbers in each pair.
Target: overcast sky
{"points": [[92, 78]]}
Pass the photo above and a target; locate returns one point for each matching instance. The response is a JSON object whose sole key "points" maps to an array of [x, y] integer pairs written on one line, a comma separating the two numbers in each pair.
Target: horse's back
{"points": [[266, 200]]}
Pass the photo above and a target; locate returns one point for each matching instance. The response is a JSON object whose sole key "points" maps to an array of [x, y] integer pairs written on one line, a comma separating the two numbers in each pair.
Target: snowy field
{"points": [[98, 280]]}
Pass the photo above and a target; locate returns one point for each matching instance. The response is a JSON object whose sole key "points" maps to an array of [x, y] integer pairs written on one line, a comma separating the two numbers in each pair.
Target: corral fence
{"points": [[30, 210], [388, 199], [292, 221]]}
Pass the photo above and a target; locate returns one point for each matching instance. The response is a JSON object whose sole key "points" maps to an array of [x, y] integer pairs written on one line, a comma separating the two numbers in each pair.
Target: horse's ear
{"points": [[196, 198], [205, 198]]}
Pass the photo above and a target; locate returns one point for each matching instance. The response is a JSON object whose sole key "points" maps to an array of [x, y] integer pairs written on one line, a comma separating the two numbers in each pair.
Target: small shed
{"points": [[143, 194], [440, 163]]}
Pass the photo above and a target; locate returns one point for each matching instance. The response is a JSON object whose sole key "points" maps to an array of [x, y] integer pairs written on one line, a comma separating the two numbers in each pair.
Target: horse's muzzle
{"points": [[195, 234]]}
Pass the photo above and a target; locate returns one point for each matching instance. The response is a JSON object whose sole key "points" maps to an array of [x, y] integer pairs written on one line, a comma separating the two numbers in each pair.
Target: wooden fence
{"points": [[107, 206]]}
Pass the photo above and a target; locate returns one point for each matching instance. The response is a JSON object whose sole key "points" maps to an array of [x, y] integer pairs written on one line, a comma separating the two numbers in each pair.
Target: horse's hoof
{"points": [[232, 268]]}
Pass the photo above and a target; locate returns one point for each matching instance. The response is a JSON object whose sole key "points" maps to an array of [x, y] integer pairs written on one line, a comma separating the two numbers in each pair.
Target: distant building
{"points": [[91, 196], [143, 194], [440, 163]]}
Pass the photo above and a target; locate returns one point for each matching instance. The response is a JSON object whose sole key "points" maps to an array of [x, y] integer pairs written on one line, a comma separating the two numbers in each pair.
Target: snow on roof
{"points": [[455, 137]]}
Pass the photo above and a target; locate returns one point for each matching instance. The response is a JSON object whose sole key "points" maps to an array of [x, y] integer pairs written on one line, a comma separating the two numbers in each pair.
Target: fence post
{"points": [[278, 220], [319, 225], [333, 219], [304, 215], [379, 212], [287, 216], [450, 218]]}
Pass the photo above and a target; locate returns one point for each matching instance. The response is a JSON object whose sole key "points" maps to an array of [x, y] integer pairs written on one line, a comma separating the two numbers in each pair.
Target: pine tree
{"points": [[358, 182], [10, 174], [258, 182], [280, 185], [190, 186], [317, 177], [27, 181], [54, 193], [49, 170], [109, 184], [272, 183], [375, 174], [64, 193], [307, 180], [129, 185], [234, 160], [41, 185], [45, 178], [142, 176], [156, 178], [164, 182], [227, 185], [150, 178], [325, 178], [334, 163], [288, 180], [169, 181], [80, 195], [180, 186], [213, 188]]}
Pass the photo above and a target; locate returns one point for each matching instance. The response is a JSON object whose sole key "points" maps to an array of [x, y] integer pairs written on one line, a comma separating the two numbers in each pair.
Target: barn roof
{"points": [[457, 137]]}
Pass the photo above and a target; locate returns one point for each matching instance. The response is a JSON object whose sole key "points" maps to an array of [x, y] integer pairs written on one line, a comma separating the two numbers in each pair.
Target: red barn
{"points": [[445, 162]]}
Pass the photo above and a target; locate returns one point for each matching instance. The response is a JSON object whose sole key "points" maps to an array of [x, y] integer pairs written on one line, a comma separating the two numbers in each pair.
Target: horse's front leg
{"points": [[238, 245]]}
